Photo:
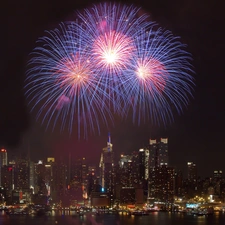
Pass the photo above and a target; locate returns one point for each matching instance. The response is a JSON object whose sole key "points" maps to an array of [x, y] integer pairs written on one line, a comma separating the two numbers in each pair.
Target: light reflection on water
{"points": [[70, 218]]}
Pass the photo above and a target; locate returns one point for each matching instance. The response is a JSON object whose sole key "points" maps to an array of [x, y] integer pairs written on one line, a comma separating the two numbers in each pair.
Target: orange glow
{"points": [[3, 150]]}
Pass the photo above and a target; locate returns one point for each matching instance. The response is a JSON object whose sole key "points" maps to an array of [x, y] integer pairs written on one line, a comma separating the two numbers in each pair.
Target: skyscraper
{"points": [[3, 157], [107, 167], [3, 160], [162, 183], [143, 156], [163, 151], [158, 152], [192, 172], [153, 153]]}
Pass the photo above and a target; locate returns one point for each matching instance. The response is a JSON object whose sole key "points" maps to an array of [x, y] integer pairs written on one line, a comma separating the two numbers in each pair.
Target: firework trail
{"points": [[61, 81], [159, 80]]}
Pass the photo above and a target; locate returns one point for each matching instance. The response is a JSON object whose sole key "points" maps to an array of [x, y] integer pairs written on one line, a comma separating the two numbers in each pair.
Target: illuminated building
{"points": [[143, 156], [162, 183], [49, 174], [3, 161], [77, 179], [178, 183], [128, 196], [143, 165], [22, 174], [59, 182], [153, 153], [40, 173], [7, 181], [91, 180], [124, 172], [217, 174], [3, 157], [32, 175], [107, 167], [192, 172], [158, 152]]}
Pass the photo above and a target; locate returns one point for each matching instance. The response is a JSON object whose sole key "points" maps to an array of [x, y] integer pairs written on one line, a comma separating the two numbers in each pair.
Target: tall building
{"points": [[153, 153], [158, 152], [192, 172], [178, 183], [22, 174], [3, 157], [124, 171], [217, 174], [40, 174], [163, 151], [143, 156], [91, 180], [7, 181], [162, 183], [49, 174], [3, 161], [59, 182], [107, 167]]}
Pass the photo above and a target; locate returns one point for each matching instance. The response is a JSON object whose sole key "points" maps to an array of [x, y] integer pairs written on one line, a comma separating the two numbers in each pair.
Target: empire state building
{"points": [[107, 167]]}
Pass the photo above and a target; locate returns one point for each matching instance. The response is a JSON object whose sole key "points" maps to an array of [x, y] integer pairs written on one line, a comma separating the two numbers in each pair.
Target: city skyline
{"points": [[159, 143], [195, 135]]}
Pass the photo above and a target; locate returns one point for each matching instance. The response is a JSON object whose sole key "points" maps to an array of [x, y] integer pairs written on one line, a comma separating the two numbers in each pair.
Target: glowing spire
{"points": [[109, 142]]}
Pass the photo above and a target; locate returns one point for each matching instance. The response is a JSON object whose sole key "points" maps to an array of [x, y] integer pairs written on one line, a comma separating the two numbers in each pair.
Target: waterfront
{"points": [[156, 218]]}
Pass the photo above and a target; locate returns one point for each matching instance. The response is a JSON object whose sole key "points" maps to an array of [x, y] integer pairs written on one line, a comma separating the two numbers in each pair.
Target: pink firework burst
{"points": [[151, 75], [73, 73], [113, 51]]}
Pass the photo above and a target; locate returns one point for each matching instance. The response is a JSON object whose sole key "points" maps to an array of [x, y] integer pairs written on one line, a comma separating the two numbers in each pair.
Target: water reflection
{"points": [[72, 218]]}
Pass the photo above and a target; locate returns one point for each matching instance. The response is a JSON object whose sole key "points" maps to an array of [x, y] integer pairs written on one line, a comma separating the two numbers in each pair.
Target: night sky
{"points": [[198, 135]]}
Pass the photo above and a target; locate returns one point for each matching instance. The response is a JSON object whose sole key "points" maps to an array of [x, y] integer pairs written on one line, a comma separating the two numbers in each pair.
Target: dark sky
{"points": [[198, 135]]}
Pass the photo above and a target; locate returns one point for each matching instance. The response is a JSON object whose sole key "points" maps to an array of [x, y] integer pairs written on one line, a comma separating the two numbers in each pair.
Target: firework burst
{"points": [[113, 52], [110, 59], [112, 29], [159, 78], [62, 83]]}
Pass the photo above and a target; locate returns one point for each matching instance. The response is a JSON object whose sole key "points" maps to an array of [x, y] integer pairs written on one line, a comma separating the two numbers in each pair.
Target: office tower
{"points": [[91, 180], [3, 161], [178, 183], [127, 196], [84, 177], [107, 167], [192, 172], [49, 174], [3, 157], [40, 173], [153, 153], [217, 174], [143, 156], [124, 160], [7, 182], [158, 152], [135, 169], [22, 174], [59, 182], [32, 175], [124, 172], [163, 151], [162, 183]]}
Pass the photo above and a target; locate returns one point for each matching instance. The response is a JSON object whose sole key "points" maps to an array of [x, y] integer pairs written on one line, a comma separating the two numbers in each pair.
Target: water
{"points": [[160, 218]]}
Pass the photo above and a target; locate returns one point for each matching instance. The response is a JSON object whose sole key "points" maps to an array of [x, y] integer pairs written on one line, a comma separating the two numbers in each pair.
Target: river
{"points": [[155, 218]]}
